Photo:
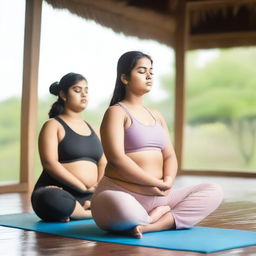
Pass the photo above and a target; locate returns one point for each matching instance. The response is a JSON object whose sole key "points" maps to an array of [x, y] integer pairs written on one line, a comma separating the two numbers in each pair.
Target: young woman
{"points": [[71, 155], [141, 169]]}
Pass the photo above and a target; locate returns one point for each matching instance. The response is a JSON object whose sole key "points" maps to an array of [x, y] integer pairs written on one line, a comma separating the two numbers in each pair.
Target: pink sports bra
{"points": [[140, 137]]}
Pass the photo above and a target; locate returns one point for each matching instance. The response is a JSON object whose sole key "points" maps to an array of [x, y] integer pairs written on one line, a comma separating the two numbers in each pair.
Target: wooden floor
{"points": [[238, 211]]}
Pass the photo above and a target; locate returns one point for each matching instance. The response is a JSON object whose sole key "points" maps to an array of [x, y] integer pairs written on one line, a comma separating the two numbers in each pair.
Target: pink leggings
{"points": [[115, 208]]}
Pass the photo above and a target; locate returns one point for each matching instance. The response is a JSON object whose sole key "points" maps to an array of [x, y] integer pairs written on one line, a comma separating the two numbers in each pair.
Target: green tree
{"points": [[224, 91], [9, 139]]}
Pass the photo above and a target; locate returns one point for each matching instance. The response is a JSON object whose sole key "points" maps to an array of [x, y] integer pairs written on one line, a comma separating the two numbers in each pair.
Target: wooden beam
{"points": [[180, 84], [13, 188], [223, 40], [203, 3], [29, 90], [226, 173]]}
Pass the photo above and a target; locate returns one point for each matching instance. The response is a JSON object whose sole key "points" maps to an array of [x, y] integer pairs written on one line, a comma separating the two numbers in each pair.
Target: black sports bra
{"points": [[76, 147]]}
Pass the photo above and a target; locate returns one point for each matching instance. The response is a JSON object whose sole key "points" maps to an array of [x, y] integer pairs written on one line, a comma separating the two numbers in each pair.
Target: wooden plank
{"points": [[234, 214], [29, 90], [180, 62], [221, 173], [13, 188], [223, 40], [212, 3]]}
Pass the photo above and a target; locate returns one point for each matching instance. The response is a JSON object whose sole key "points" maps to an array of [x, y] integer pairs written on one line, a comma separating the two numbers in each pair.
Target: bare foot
{"points": [[137, 232], [158, 212], [134, 232], [65, 220], [87, 204]]}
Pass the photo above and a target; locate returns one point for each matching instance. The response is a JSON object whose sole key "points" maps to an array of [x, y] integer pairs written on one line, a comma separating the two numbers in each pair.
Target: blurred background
{"points": [[220, 132]]}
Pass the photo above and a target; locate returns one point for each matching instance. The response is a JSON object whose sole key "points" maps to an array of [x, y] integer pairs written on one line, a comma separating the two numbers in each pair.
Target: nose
{"points": [[149, 76], [84, 93]]}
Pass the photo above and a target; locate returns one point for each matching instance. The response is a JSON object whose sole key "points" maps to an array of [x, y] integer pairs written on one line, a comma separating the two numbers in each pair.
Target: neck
{"points": [[72, 115], [134, 100]]}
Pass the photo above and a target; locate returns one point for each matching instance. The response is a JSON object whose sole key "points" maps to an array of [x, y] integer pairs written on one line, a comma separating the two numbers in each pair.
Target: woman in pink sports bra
{"points": [[136, 195]]}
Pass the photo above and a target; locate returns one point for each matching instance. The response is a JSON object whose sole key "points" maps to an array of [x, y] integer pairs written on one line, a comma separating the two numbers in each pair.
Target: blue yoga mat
{"points": [[199, 239]]}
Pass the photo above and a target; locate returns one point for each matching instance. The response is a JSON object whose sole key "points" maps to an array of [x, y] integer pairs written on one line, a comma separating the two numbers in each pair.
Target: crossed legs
{"points": [[130, 212], [187, 207], [52, 203]]}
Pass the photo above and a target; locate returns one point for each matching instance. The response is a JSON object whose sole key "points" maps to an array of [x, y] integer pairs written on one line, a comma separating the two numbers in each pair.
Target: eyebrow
{"points": [[86, 87], [143, 67]]}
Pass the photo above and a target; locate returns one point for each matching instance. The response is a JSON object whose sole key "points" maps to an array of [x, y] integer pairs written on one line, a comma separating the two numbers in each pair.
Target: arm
{"points": [[101, 169], [48, 150], [112, 135], [102, 162], [169, 157]]}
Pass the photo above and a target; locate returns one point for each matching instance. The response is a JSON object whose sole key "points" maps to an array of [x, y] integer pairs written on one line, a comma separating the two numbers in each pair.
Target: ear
{"points": [[124, 79], [62, 95]]}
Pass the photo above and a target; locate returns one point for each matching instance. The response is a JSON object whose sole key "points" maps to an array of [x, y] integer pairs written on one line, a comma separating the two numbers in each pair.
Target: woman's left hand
{"points": [[92, 189], [168, 181]]}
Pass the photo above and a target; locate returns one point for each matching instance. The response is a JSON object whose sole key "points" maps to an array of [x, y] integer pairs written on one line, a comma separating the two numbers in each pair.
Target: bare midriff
{"points": [[150, 161], [85, 171]]}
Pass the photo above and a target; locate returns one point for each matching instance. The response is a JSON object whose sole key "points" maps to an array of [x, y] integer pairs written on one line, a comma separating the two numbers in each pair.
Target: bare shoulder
{"points": [[114, 118], [50, 124], [115, 111]]}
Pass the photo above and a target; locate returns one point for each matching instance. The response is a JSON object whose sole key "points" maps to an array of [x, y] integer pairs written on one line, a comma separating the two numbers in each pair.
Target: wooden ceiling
{"points": [[210, 23]]}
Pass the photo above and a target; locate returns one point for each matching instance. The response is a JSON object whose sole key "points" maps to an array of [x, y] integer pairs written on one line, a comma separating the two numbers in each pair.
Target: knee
{"points": [[52, 204], [117, 210], [105, 207]]}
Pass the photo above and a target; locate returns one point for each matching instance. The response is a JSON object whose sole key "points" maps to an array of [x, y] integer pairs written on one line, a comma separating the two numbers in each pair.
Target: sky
{"points": [[72, 44]]}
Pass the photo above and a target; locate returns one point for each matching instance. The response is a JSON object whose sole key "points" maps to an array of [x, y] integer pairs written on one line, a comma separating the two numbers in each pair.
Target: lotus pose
{"points": [[71, 155], [137, 189]]}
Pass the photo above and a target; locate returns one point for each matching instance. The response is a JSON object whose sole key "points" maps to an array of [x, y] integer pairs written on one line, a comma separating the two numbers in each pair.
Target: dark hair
{"points": [[125, 65], [63, 85]]}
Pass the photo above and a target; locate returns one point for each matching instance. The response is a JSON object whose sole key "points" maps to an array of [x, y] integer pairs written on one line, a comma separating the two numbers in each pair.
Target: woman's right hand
{"points": [[157, 192], [164, 185], [153, 191]]}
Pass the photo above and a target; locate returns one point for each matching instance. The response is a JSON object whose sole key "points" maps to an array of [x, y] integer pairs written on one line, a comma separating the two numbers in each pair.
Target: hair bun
{"points": [[54, 88]]}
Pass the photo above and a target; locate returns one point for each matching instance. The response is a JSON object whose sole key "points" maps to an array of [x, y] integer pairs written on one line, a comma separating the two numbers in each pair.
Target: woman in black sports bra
{"points": [[71, 155]]}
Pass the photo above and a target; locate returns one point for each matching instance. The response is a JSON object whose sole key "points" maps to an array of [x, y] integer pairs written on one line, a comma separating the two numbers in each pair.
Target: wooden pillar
{"points": [[181, 39], [29, 91]]}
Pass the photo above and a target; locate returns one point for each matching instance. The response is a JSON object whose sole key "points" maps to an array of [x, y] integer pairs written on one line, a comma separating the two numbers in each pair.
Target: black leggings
{"points": [[54, 204]]}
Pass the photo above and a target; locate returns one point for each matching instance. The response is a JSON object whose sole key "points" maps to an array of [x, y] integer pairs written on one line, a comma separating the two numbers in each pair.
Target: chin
{"points": [[84, 105]]}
